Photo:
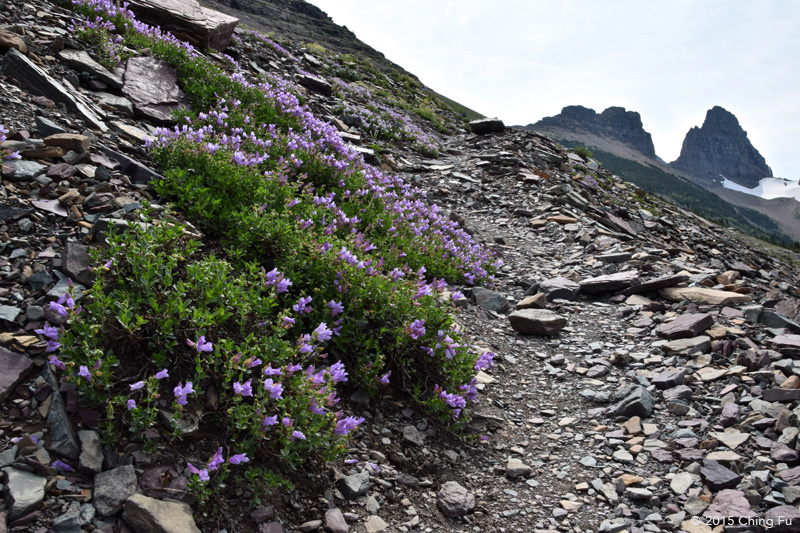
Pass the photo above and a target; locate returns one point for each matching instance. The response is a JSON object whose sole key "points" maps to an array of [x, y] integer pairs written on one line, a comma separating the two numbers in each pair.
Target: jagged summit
{"points": [[614, 122], [721, 148]]}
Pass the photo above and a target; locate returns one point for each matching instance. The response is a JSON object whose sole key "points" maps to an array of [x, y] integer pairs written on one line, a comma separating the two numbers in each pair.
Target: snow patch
{"points": [[768, 188]]}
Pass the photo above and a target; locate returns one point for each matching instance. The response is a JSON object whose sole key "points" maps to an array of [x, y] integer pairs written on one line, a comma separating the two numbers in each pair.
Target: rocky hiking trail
{"points": [[646, 376]]}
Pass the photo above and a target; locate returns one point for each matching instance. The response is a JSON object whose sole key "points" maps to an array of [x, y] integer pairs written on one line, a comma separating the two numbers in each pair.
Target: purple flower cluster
{"points": [[214, 463], [8, 153]]}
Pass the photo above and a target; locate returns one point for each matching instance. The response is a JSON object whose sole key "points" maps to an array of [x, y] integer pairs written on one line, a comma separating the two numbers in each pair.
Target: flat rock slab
{"points": [[703, 296], [82, 61], [14, 368], [717, 477], [560, 288], [490, 300], [25, 491], [729, 503], [610, 282], [148, 514], [38, 82], [688, 325], [112, 488], [315, 83], [788, 345], [152, 85], [701, 343], [537, 322], [655, 284], [188, 20], [487, 125]]}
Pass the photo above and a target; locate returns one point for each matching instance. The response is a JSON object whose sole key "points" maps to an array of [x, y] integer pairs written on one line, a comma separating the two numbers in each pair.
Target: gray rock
{"points": [[701, 344], [681, 483], [91, 458], [537, 322], [616, 257], [633, 401], [454, 500], [14, 368], [490, 300], [202, 27], [729, 503], [137, 172], [516, 468], [39, 280], [156, 516], [112, 488], [69, 522], [487, 125], [410, 434], [559, 288], [354, 486], [335, 522], [610, 282], [64, 442], [783, 519], [271, 527], [47, 127], [729, 415], [315, 83], [80, 60], [24, 491], [717, 477], [38, 82], [26, 170], [655, 284], [668, 379], [311, 525], [9, 313], [688, 325], [375, 524], [76, 261], [152, 85], [8, 456], [788, 345]]}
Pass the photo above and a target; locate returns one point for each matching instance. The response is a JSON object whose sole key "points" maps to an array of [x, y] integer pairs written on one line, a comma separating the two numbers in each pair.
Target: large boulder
{"points": [[188, 20], [537, 322]]}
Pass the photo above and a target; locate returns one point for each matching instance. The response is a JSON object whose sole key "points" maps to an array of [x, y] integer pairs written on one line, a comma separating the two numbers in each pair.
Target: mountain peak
{"points": [[721, 148], [615, 122]]}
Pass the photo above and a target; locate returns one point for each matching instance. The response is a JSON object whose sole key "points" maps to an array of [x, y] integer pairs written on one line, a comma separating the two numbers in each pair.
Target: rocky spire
{"points": [[721, 148]]}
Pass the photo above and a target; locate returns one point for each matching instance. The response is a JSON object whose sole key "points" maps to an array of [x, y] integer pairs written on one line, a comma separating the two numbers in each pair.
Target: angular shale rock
{"points": [[14, 368], [112, 488], [788, 345], [490, 300], [454, 500], [25, 491], [154, 516], [610, 282], [537, 322], [689, 325], [717, 477], [152, 86], [487, 125], [187, 19], [704, 296], [560, 288], [354, 486], [633, 401]]}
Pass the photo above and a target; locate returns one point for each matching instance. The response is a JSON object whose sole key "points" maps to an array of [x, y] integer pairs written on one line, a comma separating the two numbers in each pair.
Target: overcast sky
{"points": [[670, 60]]}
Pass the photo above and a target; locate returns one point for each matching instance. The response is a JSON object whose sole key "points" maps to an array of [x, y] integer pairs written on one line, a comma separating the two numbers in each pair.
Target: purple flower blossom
{"points": [[316, 409], [269, 421], [385, 378], [182, 391], [238, 459], [346, 425], [275, 389], [56, 362], [287, 421], [416, 329], [253, 363], [269, 371], [337, 372], [61, 465], [203, 346], [83, 371], [291, 369], [161, 374], [131, 404], [136, 386], [297, 435], [52, 346], [288, 322], [283, 285], [50, 332], [302, 307], [322, 332], [216, 460], [335, 307], [60, 309], [203, 474], [484, 361], [245, 389]]}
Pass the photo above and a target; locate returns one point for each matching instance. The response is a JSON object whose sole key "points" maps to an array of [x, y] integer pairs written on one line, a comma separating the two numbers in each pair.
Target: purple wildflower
{"points": [[287, 421], [337, 372], [83, 371], [238, 459], [216, 460], [161, 374], [50, 332], [335, 307], [416, 329], [136, 386], [288, 322], [61, 465], [269, 421], [56, 362], [52, 346], [181, 392], [385, 378], [302, 307], [243, 389], [297, 435], [269, 371], [346, 425], [131, 404], [322, 332]]}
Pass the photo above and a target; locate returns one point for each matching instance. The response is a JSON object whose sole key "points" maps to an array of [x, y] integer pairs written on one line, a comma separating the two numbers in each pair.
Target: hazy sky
{"points": [[670, 60]]}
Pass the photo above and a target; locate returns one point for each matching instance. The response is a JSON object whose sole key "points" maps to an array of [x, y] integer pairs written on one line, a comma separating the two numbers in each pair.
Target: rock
{"points": [[138, 172], [454, 500], [69, 522], [681, 483], [610, 282], [688, 325], [633, 401], [701, 344], [790, 476], [721, 148], [24, 491], [335, 522], [717, 477], [112, 488], [537, 322], [410, 434], [91, 458], [68, 141], [490, 300], [80, 60], [783, 519], [375, 524], [47, 127], [311, 525], [668, 379], [703, 296], [354, 486], [487, 125], [202, 27], [152, 85], [781, 395], [315, 83], [559, 288], [38, 82], [729, 415], [10, 40], [537, 301], [156, 516], [25, 170], [729, 504], [516, 468], [788, 345], [655, 284], [76, 261], [14, 368], [64, 442]]}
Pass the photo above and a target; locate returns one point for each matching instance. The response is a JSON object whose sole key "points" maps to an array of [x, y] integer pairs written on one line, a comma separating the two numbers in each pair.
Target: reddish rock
{"points": [[790, 476], [187, 20], [14, 367], [68, 141], [788, 345], [685, 326], [729, 504]]}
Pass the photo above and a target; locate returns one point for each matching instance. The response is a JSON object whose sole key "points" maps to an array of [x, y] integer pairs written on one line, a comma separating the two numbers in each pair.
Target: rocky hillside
{"points": [[615, 123], [720, 148], [240, 293]]}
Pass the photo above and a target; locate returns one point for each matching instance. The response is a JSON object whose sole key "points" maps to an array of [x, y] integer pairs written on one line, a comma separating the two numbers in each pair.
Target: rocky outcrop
{"points": [[615, 122], [721, 149]]}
